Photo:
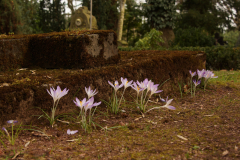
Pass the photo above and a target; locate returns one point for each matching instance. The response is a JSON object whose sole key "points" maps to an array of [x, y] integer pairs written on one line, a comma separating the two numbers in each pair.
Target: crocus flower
{"points": [[154, 89], [116, 86], [143, 84], [209, 74], [167, 105], [196, 82], [150, 83], [125, 83], [5, 131], [200, 73], [192, 73], [80, 104], [136, 88], [58, 93], [12, 121], [69, 132], [90, 104], [90, 92]]}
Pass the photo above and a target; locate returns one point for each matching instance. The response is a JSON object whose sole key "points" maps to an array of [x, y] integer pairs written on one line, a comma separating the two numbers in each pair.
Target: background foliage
{"points": [[192, 37], [161, 13], [231, 37], [105, 12], [51, 16], [150, 40]]}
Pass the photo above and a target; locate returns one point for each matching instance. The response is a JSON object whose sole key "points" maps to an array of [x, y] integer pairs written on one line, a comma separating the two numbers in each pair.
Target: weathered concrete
{"points": [[48, 56]]}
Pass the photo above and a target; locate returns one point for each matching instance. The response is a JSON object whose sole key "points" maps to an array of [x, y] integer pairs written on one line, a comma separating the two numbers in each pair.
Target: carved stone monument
{"points": [[81, 19]]}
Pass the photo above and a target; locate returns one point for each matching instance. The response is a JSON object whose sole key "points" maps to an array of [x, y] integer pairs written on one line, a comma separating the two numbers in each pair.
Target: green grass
{"points": [[226, 76]]}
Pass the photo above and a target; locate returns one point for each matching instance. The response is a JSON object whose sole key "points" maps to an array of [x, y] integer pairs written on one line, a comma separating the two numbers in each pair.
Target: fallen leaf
{"points": [[63, 121], [22, 69], [236, 148], [137, 119], [122, 124], [27, 143], [72, 140], [16, 155], [152, 122], [225, 153], [183, 138], [209, 115]]}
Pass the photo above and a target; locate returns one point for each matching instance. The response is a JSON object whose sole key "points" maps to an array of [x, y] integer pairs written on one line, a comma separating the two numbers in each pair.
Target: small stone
{"points": [[5, 84], [225, 153]]}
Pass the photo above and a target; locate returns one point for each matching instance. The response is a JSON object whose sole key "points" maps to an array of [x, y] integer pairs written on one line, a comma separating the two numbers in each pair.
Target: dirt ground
{"points": [[203, 127]]}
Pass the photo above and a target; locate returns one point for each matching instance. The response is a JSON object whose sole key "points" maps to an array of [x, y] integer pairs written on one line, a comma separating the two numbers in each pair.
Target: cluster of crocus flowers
{"points": [[114, 103], [56, 95], [85, 106], [206, 74], [147, 89]]}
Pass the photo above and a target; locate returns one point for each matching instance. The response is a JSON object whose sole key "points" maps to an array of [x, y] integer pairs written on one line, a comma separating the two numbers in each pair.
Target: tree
{"points": [[212, 16], [161, 15], [121, 19], [10, 16], [105, 12], [30, 18], [132, 19], [51, 16]]}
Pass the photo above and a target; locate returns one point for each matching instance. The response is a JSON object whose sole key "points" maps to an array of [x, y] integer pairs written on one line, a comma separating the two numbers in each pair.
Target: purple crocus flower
{"points": [[80, 104], [209, 74], [12, 121], [90, 104], [150, 83], [192, 73], [90, 92], [69, 132], [5, 130], [167, 105], [58, 93], [136, 88], [116, 85], [125, 83], [143, 84], [154, 88], [196, 82], [200, 73]]}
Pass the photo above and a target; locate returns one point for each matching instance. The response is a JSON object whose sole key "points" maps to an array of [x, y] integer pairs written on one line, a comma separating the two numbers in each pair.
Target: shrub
{"points": [[192, 37], [150, 40], [231, 37]]}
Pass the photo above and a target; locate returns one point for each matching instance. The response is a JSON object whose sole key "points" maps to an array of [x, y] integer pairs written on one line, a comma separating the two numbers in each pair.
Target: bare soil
{"points": [[202, 127]]}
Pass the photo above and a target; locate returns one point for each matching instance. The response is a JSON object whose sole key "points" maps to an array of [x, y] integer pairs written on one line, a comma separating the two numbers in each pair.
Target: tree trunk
{"points": [[121, 19], [70, 5], [168, 37]]}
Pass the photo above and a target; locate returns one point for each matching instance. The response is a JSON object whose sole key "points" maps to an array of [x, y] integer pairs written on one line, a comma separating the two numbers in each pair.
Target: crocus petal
{"points": [[91, 104], [154, 89], [5, 131], [201, 73], [171, 107], [111, 84], [69, 132], [12, 121]]}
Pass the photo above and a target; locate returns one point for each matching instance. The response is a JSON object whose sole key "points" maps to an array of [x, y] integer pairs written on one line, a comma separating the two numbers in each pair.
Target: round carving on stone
{"points": [[78, 22]]}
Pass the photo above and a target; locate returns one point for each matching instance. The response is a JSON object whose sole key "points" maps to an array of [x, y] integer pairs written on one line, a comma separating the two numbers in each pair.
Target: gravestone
{"points": [[81, 19]]}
